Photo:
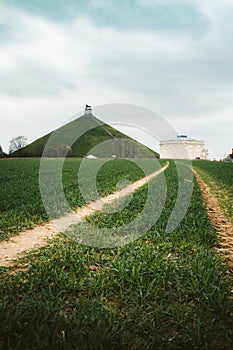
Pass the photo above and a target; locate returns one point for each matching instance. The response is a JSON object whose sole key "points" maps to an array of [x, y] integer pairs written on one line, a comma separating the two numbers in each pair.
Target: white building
{"points": [[183, 148], [90, 156]]}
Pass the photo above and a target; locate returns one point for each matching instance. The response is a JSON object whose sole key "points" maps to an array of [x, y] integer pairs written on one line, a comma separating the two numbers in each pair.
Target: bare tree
{"points": [[17, 143], [1, 152]]}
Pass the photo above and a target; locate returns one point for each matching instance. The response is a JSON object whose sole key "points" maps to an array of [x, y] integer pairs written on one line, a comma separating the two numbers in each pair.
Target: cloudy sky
{"points": [[172, 56]]}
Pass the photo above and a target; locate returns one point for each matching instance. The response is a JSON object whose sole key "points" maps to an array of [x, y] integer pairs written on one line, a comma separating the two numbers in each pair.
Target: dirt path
{"points": [[223, 225], [38, 236]]}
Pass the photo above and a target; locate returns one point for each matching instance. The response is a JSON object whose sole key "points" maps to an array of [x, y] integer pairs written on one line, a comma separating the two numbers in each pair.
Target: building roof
{"points": [[182, 138]]}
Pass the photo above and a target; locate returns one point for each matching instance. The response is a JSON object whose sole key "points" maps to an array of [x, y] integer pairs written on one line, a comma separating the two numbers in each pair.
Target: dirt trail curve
{"points": [[38, 236], [224, 227]]}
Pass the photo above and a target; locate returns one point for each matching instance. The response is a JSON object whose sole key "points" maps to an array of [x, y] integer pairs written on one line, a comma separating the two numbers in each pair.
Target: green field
{"points": [[163, 291], [21, 206], [219, 176]]}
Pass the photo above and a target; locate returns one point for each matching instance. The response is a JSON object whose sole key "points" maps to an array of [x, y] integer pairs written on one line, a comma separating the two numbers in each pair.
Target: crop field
{"points": [[162, 291], [219, 177], [21, 206]]}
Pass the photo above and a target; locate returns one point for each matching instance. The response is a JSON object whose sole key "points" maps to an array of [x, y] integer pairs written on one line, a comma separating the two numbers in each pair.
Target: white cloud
{"points": [[49, 70]]}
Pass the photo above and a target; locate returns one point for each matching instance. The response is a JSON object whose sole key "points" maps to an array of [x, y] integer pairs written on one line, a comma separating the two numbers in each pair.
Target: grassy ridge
{"points": [[21, 206], [160, 292], [219, 177], [83, 134]]}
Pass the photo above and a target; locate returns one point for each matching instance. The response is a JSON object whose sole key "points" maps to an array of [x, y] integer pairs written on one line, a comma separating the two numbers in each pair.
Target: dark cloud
{"points": [[124, 15], [172, 55]]}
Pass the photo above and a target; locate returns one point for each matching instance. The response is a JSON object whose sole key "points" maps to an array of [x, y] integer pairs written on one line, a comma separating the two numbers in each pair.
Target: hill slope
{"points": [[81, 137]]}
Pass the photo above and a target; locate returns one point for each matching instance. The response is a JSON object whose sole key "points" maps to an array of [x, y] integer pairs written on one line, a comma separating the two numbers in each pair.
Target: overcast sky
{"points": [[172, 56]]}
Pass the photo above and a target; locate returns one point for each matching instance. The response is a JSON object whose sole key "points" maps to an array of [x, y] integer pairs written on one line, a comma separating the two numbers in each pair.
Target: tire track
{"points": [[27, 240], [223, 226]]}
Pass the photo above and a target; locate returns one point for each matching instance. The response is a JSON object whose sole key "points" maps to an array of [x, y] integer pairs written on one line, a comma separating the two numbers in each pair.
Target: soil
{"points": [[18, 246], [223, 226]]}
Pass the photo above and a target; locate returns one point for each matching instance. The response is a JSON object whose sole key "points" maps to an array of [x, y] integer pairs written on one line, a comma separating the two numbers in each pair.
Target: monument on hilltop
{"points": [[88, 110]]}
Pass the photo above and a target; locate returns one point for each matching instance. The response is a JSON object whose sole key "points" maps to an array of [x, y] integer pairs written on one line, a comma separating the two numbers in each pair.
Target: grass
{"points": [[21, 206], [163, 291], [83, 134], [219, 177]]}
